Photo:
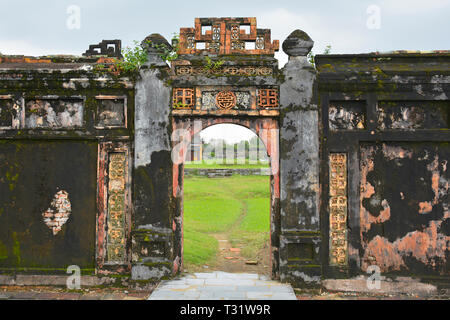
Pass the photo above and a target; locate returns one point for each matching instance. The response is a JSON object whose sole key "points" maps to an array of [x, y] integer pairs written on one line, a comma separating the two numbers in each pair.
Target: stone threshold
{"points": [[59, 280], [386, 286]]}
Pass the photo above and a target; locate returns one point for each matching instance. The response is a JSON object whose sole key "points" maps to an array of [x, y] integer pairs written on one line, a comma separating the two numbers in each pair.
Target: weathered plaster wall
{"points": [[395, 200], [404, 226], [55, 121], [34, 174]]}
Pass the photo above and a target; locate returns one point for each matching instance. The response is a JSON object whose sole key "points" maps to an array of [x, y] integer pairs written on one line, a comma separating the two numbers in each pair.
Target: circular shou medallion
{"points": [[226, 100]]}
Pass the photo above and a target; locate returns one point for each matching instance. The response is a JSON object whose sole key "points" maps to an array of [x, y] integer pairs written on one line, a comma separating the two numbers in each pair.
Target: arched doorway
{"points": [[266, 129], [226, 206]]}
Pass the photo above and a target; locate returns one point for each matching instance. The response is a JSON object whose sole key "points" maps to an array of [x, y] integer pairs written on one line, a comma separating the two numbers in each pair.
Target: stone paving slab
{"points": [[223, 286], [401, 285]]}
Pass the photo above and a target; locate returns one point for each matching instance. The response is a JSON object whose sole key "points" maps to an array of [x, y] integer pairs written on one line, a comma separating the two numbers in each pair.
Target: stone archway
{"points": [[226, 83], [267, 129]]}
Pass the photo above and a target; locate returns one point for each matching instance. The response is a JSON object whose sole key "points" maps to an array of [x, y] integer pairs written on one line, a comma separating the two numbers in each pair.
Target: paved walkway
{"points": [[223, 286]]}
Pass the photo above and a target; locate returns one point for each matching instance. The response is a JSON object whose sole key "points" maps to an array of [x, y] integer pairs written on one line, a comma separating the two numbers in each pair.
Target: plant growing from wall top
{"points": [[311, 55], [133, 58], [213, 66], [136, 56]]}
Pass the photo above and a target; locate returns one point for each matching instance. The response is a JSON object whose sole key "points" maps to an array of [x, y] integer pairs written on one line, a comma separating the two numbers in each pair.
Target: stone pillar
{"points": [[299, 163], [152, 236]]}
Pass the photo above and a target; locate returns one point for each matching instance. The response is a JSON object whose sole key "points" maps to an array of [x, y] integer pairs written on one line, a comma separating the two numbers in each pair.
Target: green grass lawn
{"points": [[199, 248], [254, 229], [238, 206]]}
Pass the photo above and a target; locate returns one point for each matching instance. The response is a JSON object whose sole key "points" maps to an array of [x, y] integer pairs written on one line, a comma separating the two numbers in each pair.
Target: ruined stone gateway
{"points": [[358, 146]]}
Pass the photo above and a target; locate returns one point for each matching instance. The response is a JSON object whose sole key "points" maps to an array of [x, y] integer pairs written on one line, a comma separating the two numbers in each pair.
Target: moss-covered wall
{"points": [[389, 114], [56, 113]]}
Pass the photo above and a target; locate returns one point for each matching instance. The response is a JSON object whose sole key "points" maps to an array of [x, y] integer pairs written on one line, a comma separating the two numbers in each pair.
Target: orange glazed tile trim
{"points": [[226, 36]]}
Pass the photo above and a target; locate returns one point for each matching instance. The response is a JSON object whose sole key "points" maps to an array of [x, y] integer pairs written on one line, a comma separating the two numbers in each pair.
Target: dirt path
{"points": [[230, 259]]}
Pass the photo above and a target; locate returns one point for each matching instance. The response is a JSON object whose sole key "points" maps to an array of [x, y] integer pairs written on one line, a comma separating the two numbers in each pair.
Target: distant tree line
{"points": [[245, 151]]}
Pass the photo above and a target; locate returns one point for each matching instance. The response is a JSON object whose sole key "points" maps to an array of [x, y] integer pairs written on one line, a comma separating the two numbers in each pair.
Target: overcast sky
{"points": [[349, 26]]}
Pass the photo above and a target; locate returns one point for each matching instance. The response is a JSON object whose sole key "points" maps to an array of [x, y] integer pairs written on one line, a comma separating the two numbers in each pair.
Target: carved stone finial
{"points": [[155, 39], [298, 43]]}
